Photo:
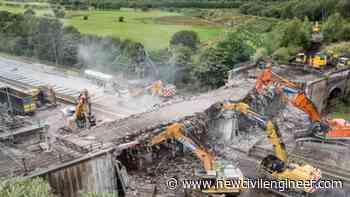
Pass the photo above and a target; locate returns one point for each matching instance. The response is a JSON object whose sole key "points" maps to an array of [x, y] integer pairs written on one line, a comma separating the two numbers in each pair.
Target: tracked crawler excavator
{"points": [[321, 130], [277, 167], [176, 132], [80, 116]]}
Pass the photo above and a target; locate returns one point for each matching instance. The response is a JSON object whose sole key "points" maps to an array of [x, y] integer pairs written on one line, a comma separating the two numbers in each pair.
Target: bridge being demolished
{"points": [[90, 160]]}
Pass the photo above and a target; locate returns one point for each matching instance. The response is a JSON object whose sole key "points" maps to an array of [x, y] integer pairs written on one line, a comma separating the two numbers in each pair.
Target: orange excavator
{"points": [[321, 130]]}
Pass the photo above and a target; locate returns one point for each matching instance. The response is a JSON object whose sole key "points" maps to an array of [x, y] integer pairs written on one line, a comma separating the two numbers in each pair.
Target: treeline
{"points": [[47, 39], [285, 40], [315, 10], [112, 4]]}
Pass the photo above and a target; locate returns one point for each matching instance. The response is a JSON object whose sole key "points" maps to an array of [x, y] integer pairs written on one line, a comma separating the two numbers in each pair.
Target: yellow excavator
{"points": [[43, 95], [175, 132], [79, 116], [318, 60], [314, 58], [277, 167]]}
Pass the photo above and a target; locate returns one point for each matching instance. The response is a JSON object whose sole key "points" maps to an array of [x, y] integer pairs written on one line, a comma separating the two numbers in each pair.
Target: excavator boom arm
{"points": [[79, 109], [275, 139], [301, 101], [272, 132], [174, 132]]}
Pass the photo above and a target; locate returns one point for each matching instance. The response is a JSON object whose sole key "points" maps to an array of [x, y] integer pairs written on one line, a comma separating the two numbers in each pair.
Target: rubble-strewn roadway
{"points": [[133, 120]]}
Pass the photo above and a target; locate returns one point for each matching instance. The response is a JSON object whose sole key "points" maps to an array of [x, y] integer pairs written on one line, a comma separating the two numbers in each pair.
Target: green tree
{"points": [[59, 13], [343, 7], [186, 38], [297, 33], [48, 39], [181, 63], [69, 46], [332, 29], [25, 188], [215, 62]]}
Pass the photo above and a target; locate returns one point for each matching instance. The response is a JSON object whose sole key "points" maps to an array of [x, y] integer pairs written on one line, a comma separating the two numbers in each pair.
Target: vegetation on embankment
{"points": [[341, 110], [36, 187]]}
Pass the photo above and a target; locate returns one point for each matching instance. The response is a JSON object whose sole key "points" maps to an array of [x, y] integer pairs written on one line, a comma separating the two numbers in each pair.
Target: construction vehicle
{"points": [[317, 36], [156, 89], [317, 60], [175, 132], [80, 116], [277, 167], [343, 61], [17, 102], [321, 130], [314, 58], [43, 95]]}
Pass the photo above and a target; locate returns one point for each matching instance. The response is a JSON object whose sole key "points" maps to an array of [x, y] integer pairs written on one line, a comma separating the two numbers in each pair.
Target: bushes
{"points": [[47, 39], [343, 7], [339, 48], [336, 29], [59, 12], [30, 187], [283, 54]]}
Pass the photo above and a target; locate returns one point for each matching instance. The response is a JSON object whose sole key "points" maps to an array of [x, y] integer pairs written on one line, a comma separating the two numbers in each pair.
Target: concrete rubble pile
{"points": [[169, 161], [183, 165], [180, 167]]}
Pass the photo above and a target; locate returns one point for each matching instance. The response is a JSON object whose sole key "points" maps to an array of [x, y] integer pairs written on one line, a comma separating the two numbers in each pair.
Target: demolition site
{"points": [[92, 132]]}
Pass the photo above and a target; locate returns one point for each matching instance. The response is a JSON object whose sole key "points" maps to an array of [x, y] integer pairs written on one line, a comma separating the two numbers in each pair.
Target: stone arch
{"points": [[335, 93]]}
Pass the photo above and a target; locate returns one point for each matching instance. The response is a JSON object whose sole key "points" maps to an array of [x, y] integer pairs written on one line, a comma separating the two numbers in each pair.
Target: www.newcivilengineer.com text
{"points": [[281, 185]]}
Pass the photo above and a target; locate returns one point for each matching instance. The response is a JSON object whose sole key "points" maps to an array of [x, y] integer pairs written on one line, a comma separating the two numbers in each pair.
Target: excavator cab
{"points": [[320, 60], [316, 28], [272, 164], [301, 58], [317, 36]]}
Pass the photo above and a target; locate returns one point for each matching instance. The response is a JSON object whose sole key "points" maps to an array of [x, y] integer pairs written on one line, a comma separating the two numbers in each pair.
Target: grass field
{"points": [[153, 28]]}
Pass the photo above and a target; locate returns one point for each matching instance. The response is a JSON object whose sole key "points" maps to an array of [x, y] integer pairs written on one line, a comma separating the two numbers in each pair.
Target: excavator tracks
{"points": [[328, 171]]}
